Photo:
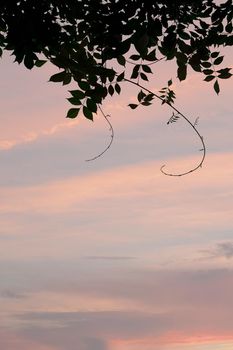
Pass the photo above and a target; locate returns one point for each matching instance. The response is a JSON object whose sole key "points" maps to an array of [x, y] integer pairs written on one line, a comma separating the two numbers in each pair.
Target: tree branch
{"points": [[193, 126], [106, 116]]}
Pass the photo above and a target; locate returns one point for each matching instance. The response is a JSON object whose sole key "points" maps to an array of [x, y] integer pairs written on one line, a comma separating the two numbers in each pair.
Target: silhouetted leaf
{"points": [[143, 76], [225, 75], [151, 56], [182, 72], [208, 71], [121, 60], [121, 76], [58, 77], [111, 90], [87, 113], [146, 68], [134, 74], [132, 105], [216, 87], [40, 63], [141, 95], [135, 57], [214, 54], [209, 78], [72, 113], [91, 105], [218, 60], [206, 64], [118, 88], [74, 101], [83, 85], [146, 103], [77, 94]]}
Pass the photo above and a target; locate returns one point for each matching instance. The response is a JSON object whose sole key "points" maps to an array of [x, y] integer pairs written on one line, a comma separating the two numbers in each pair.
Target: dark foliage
{"points": [[82, 37], [86, 38]]}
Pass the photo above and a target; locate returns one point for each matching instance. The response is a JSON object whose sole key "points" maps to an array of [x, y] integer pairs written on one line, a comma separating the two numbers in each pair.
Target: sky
{"points": [[112, 254]]}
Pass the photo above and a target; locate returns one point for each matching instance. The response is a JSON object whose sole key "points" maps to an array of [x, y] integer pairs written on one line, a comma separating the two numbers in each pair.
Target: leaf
{"points": [[187, 49], [121, 60], [87, 113], [83, 85], [169, 83], [118, 89], [74, 101], [143, 76], [40, 63], [216, 87], [146, 103], [182, 72], [67, 79], [209, 78], [97, 55], [218, 60], [135, 57], [228, 27], [181, 58], [111, 90], [146, 68], [225, 75], [141, 44], [223, 71], [72, 113], [151, 56], [208, 71], [214, 54], [149, 97], [132, 105], [28, 61], [91, 105], [111, 76], [173, 118], [121, 76], [77, 94], [134, 74], [196, 121], [58, 77], [184, 35], [206, 64], [141, 95]]}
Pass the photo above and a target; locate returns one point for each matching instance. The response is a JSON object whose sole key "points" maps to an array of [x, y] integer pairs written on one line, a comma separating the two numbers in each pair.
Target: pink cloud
{"points": [[175, 341]]}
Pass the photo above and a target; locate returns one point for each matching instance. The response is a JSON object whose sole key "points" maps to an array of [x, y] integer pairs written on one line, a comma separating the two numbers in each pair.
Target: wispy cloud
{"points": [[221, 250], [34, 136], [10, 294], [117, 258]]}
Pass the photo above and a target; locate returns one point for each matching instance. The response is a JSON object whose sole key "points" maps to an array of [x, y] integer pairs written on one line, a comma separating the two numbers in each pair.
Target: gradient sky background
{"points": [[111, 254]]}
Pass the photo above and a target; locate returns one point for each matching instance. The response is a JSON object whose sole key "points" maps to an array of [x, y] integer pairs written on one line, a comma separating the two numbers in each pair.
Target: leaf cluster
{"points": [[143, 100], [85, 39], [167, 95]]}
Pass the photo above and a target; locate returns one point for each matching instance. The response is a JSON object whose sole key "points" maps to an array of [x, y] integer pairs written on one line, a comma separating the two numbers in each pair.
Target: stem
{"points": [[203, 149], [106, 116]]}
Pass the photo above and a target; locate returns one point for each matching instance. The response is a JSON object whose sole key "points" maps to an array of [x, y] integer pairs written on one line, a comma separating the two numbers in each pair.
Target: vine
{"points": [[175, 117], [105, 116], [167, 97]]}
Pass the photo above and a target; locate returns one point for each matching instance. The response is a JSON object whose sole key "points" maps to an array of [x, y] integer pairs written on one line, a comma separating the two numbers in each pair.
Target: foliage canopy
{"points": [[85, 39]]}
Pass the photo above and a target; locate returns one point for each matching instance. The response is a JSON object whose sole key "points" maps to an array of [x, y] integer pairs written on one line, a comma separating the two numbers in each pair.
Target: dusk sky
{"points": [[112, 254]]}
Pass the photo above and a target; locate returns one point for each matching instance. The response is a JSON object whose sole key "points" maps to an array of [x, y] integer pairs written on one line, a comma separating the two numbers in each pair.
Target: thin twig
{"points": [[203, 149], [148, 64], [106, 116]]}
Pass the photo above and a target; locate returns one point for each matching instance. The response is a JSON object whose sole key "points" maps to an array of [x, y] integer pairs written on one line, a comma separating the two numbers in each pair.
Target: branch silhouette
{"points": [[193, 126], [106, 116]]}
